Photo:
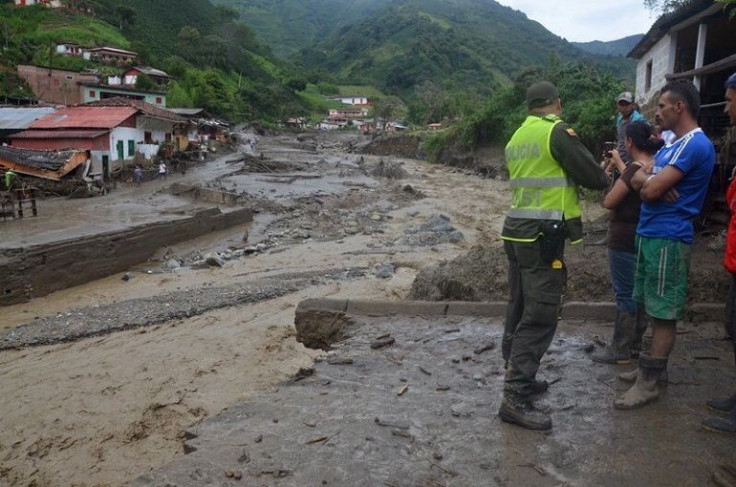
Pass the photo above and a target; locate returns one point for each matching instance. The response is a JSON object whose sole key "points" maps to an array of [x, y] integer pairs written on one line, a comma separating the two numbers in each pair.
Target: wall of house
{"points": [[53, 85], [662, 57], [94, 93], [125, 134]]}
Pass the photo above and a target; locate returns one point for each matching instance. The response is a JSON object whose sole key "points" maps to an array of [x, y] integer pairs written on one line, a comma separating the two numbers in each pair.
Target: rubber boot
{"points": [[520, 411], [644, 389], [642, 323], [722, 404], [725, 424], [631, 376], [619, 350]]}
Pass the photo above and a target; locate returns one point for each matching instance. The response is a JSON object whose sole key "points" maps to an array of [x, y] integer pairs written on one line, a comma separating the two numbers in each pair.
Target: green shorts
{"points": [[660, 285]]}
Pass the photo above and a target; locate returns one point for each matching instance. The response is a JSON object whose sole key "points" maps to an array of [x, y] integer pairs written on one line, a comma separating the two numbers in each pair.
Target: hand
{"points": [[617, 162], [670, 196]]}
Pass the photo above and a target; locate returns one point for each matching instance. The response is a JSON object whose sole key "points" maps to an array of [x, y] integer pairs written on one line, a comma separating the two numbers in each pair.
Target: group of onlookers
{"points": [[658, 179]]}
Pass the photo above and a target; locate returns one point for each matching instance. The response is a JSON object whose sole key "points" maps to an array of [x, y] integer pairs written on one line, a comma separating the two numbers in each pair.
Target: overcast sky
{"points": [[581, 20]]}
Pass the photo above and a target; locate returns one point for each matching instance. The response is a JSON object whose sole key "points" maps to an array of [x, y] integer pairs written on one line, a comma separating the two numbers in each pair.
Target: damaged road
{"points": [[115, 399]]}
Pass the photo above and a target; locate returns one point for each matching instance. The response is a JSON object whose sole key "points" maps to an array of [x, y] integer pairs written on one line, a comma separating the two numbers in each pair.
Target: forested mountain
{"points": [[215, 59], [397, 44], [619, 47]]}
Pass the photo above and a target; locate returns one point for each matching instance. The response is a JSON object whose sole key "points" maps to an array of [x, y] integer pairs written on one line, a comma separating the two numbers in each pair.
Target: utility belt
{"points": [[552, 240]]}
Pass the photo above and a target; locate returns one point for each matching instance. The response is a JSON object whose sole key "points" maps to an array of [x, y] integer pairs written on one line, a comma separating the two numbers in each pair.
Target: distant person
{"points": [[627, 112], [641, 143], [138, 174], [10, 177], [162, 170], [728, 405], [546, 163], [673, 195]]}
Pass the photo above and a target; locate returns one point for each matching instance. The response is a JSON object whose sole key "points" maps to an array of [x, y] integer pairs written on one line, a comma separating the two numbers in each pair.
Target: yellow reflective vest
{"points": [[540, 188]]}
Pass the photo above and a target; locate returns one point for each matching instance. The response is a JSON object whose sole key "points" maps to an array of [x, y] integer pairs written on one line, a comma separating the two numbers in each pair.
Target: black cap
{"points": [[541, 94]]}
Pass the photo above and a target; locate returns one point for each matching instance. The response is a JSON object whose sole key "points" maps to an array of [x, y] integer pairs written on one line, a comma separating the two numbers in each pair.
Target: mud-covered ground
{"points": [[129, 362]]}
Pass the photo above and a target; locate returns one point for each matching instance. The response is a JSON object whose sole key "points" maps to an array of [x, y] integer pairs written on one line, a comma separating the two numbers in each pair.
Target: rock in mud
{"points": [[214, 260]]}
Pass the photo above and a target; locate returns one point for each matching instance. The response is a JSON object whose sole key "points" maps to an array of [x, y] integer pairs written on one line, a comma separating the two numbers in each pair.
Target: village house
{"points": [[349, 113], [57, 86], [202, 127], [355, 100], [113, 55], [71, 49], [46, 3], [694, 42], [112, 133], [95, 91], [130, 76]]}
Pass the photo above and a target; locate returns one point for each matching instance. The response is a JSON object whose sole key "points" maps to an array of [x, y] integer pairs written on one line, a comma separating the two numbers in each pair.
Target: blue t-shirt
{"points": [[694, 155]]}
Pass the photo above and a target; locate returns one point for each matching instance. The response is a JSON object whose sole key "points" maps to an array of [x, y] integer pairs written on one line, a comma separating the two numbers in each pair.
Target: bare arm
{"points": [[662, 185], [620, 189]]}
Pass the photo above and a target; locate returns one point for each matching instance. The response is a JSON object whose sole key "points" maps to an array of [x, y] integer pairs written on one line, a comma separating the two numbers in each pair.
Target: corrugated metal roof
{"points": [[59, 134], [85, 117], [14, 118], [48, 160]]}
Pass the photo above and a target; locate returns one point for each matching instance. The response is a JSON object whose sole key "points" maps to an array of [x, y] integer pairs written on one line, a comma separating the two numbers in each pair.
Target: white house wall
{"points": [[158, 128], [662, 57], [125, 134]]}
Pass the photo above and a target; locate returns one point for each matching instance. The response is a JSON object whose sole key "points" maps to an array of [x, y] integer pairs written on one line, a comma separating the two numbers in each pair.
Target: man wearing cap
{"points": [[627, 113], [546, 163]]}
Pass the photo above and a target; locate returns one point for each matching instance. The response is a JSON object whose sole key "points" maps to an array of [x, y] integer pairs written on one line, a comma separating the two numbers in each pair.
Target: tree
{"points": [[126, 16], [666, 6]]}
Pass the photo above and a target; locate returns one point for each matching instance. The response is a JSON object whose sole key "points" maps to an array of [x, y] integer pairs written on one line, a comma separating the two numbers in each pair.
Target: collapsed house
{"points": [[52, 165]]}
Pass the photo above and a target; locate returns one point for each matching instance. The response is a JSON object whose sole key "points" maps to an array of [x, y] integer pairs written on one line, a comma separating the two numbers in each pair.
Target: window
{"points": [[648, 77], [70, 78], [159, 101], [131, 148], [92, 93], [147, 137]]}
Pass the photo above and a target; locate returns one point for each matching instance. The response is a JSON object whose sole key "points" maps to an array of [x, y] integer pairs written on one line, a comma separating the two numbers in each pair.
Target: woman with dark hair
{"points": [[641, 144]]}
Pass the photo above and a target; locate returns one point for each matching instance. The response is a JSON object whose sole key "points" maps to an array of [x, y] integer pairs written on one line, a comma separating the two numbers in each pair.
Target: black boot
{"points": [[520, 411], [642, 323], [725, 424], [722, 404], [619, 350]]}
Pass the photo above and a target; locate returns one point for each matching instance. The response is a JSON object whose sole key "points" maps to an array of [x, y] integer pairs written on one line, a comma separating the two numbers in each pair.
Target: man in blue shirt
{"points": [[673, 195]]}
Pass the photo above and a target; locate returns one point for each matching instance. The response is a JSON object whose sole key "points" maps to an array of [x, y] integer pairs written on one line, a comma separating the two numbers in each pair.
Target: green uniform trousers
{"points": [[536, 287]]}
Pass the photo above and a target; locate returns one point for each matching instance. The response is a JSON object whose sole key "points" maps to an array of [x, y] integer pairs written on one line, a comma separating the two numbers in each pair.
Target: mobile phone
{"points": [[608, 147]]}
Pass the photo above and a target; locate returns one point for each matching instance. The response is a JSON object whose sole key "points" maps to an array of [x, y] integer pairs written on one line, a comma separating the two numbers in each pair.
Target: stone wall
{"points": [[42, 269]]}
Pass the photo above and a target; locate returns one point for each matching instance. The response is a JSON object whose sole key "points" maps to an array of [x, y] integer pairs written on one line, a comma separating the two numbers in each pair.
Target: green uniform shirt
{"points": [[578, 164]]}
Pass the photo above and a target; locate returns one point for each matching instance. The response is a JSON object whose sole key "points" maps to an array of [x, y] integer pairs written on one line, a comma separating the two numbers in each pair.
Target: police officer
{"points": [[546, 163]]}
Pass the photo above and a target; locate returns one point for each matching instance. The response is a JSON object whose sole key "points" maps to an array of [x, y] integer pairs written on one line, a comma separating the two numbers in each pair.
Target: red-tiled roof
{"points": [[59, 134], [85, 118], [146, 108]]}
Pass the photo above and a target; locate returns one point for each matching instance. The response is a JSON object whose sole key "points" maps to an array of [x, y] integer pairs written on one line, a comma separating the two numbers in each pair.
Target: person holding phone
{"points": [[641, 144]]}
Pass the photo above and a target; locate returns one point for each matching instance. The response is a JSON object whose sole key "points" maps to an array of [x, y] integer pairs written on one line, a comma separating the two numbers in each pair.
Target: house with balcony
{"points": [[696, 42]]}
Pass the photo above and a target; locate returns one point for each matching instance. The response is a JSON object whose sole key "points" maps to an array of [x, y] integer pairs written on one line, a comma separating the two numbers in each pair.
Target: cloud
{"points": [[581, 21]]}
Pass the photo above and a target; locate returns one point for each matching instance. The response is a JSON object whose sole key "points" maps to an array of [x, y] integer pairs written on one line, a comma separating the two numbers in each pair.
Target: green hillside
{"points": [[474, 43], [619, 47], [215, 60], [397, 44]]}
